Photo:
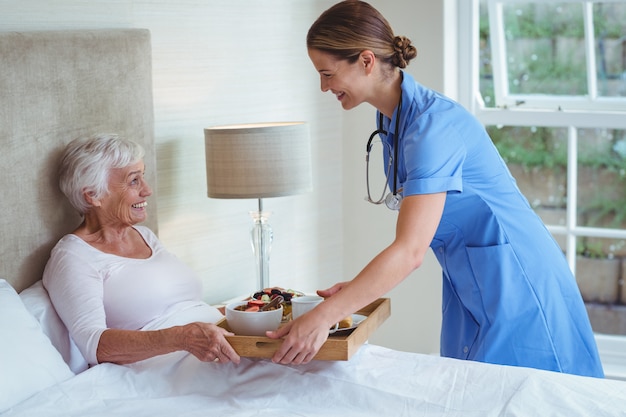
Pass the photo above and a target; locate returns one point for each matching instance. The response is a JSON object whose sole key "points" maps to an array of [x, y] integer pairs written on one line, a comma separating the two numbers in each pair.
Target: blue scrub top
{"points": [[509, 296]]}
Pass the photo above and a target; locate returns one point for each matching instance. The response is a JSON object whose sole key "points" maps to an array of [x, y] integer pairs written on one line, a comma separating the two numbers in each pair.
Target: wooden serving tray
{"points": [[336, 348]]}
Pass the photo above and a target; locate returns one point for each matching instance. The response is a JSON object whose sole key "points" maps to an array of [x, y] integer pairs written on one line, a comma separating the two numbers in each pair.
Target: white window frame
{"points": [[504, 98], [612, 348]]}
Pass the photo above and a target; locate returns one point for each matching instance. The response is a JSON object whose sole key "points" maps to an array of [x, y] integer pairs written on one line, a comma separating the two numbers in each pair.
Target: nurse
{"points": [[509, 296]]}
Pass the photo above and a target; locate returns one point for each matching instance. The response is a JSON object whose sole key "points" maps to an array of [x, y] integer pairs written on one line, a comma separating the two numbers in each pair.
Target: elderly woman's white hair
{"points": [[87, 162]]}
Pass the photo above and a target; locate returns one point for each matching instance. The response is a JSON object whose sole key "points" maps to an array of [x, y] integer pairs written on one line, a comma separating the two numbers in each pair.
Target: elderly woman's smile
{"points": [[125, 202]]}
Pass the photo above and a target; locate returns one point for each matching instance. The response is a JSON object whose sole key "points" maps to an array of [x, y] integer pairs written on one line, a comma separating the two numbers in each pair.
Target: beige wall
{"points": [[416, 303], [232, 61]]}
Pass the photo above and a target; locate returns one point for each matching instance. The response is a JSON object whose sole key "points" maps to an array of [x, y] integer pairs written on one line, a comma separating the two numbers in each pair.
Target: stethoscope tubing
{"points": [[393, 200]]}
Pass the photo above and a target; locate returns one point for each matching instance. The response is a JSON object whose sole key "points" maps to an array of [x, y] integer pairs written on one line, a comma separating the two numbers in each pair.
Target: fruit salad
{"points": [[255, 305], [267, 294]]}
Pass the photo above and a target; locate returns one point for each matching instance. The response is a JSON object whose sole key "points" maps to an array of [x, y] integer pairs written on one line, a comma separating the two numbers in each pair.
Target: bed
{"points": [[59, 85]]}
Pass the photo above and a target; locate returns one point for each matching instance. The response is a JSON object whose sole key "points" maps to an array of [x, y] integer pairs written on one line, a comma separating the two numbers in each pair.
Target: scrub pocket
{"points": [[504, 287]]}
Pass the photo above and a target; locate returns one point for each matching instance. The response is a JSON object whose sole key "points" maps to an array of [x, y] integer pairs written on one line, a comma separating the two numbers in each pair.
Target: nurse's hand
{"points": [[332, 290], [303, 338]]}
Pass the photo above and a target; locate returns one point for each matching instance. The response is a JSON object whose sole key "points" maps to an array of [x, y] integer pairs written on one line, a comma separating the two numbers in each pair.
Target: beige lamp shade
{"points": [[258, 160]]}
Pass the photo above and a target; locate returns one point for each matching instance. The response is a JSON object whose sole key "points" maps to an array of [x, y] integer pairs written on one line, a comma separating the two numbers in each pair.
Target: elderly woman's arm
{"points": [[205, 341]]}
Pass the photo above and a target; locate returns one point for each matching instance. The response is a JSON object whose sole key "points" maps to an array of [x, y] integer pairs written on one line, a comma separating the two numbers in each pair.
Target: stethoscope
{"points": [[393, 200]]}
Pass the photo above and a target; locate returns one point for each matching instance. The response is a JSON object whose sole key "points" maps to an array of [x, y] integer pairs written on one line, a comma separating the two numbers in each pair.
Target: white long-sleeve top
{"points": [[92, 290]]}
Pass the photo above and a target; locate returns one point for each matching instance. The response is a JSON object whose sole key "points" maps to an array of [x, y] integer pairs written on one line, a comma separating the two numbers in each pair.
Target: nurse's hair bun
{"points": [[404, 51]]}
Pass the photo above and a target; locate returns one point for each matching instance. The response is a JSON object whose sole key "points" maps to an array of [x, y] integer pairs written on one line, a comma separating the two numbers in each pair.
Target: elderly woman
{"points": [[121, 294]]}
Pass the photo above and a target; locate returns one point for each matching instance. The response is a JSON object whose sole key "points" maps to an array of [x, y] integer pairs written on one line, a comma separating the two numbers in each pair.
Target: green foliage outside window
{"points": [[546, 41]]}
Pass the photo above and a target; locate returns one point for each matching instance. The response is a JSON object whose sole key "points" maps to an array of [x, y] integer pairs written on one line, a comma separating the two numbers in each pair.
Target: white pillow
{"points": [[37, 302], [28, 361]]}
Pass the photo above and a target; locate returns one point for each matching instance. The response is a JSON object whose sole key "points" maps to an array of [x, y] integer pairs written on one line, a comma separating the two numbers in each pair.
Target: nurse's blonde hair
{"points": [[352, 26]]}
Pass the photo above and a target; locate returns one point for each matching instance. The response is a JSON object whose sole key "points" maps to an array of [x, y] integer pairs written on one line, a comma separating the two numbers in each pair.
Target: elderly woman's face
{"points": [[128, 190]]}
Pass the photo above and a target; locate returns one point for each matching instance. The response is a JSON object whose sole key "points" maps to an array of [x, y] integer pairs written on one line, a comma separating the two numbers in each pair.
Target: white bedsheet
{"points": [[375, 382]]}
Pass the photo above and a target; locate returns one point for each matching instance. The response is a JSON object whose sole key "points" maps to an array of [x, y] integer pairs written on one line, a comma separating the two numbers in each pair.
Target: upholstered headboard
{"points": [[54, 87]]}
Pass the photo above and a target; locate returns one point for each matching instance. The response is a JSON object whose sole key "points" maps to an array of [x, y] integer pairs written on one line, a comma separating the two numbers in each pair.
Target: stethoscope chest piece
{"points": [[393, 201]]}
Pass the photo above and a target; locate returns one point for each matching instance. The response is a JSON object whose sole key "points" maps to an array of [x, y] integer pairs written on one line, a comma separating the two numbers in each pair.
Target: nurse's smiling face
{"points": [[345, 80]]}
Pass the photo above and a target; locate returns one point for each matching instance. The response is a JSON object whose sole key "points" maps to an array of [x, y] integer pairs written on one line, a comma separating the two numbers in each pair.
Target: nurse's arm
{"points": [[417, 223]]}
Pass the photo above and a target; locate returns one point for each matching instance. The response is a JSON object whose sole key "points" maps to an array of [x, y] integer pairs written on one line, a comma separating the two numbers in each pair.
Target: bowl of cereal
{"points": [[248, 318]]}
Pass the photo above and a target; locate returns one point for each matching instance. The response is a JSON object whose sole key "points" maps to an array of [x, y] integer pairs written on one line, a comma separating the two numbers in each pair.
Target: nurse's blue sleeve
{"points": [[433, 155]]}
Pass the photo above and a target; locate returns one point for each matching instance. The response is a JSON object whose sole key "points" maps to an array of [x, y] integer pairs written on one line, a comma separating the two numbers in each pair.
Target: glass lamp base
{"points": [[261, 238]]}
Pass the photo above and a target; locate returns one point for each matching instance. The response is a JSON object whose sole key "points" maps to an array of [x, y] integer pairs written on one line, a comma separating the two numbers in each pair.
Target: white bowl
{"points": [[252, 323]]}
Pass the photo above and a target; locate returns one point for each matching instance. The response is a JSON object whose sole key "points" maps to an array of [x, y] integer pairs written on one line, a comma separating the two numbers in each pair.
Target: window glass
{"points": [[600, 283], [602, 178], [537, 159], [564, 55], [485, 69], [545, 45], [610, 35]]}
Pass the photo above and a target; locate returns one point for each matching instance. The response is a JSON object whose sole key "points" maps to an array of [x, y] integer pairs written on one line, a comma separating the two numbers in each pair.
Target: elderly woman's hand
{"points": [[207, 342]]}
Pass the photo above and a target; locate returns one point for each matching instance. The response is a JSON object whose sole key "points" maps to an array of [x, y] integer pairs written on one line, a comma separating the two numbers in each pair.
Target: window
{"points": [[548, 80], [557, 54]]}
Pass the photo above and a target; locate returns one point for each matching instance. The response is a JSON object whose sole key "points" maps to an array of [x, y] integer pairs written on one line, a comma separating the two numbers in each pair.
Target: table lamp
{"points": [[258, 161]]}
